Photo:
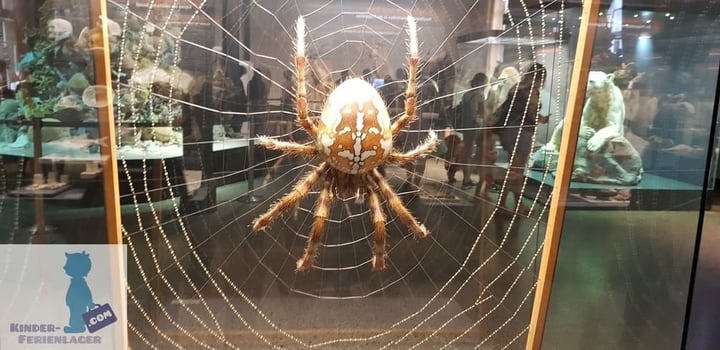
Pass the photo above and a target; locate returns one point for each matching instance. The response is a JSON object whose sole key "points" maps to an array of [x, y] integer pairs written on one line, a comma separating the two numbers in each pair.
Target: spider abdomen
{"points": [[354, 133]]}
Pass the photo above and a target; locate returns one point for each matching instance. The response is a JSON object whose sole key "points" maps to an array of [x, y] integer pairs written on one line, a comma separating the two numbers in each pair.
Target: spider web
{"points": [[199, 278]]}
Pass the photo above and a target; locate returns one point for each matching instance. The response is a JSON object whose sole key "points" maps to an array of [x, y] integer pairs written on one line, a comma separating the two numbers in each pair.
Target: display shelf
{"points": [[6, 150], [230, 143], [154, 153], [687, 165], [69, 151], [649, 182], [652, 193], [66, 192]]}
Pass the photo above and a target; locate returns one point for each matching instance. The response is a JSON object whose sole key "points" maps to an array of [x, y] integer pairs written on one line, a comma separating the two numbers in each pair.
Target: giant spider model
{"points": [[353, 136]]}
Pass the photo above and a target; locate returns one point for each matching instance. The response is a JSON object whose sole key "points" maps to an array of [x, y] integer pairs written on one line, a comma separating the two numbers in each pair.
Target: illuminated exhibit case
{"points": [[197, 83]]}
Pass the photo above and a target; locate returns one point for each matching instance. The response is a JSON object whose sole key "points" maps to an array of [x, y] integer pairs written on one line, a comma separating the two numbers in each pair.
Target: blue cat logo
{"points": [[79, 297], [86, 317]]}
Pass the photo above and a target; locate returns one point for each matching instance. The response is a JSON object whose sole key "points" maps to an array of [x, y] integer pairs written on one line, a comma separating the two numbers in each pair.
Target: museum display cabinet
{"points": [[257, 159], [634, 265]]}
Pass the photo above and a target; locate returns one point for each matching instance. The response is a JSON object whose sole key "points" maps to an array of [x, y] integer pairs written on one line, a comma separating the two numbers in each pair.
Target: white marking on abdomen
{"points": [[344, 130], [358, 146], [326, 142], [367, 154], [346, 154], [386, 145]]}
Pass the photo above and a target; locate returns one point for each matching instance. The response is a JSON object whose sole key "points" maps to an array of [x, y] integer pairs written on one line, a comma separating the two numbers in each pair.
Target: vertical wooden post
{"points": [[106, 122], [571, 128], [108, 160]]}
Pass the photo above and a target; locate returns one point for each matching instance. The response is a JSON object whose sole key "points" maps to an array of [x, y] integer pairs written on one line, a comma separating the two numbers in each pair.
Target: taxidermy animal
{"points": [[603, 115]]}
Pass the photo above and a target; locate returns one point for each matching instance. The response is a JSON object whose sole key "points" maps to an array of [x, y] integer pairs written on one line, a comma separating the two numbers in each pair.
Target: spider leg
{"points": [[287, 147], [378, 218], [322, 209], [411, 88], [426, 147], [289, 200], [300, 90], [418, 230]]}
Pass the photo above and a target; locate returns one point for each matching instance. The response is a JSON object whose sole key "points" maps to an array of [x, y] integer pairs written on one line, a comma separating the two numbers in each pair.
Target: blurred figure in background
{"points": [[522, 111], [467, 123]]}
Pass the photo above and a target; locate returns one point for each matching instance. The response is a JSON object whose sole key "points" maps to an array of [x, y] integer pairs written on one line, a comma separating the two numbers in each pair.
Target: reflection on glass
{"points": [[190, 213], [49, 139], [627, 246], [196, 83]]}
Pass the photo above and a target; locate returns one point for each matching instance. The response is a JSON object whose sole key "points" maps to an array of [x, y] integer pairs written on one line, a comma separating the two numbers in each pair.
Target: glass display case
{"points": [[352, 174], [623, 275], [211, 279], [50, 146]]}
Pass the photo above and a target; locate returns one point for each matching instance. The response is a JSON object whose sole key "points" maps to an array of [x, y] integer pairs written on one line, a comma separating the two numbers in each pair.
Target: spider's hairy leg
{"points": [[301, 90], [425, 148], [378, 218], [322, 209], [418, 230], [287, 147], [410, 90], [291, 199]]}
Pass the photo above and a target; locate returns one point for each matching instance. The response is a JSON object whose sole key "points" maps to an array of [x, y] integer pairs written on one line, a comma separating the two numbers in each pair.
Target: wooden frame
{"points": [[106, 123], [571, 128], [108, 160]]}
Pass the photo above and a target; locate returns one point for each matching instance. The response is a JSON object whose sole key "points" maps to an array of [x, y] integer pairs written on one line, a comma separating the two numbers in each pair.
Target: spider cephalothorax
{"points": [[353, 137]]}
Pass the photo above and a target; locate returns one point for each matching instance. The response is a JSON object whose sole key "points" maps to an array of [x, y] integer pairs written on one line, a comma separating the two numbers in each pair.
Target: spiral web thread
{"points": [[199, 277]]}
